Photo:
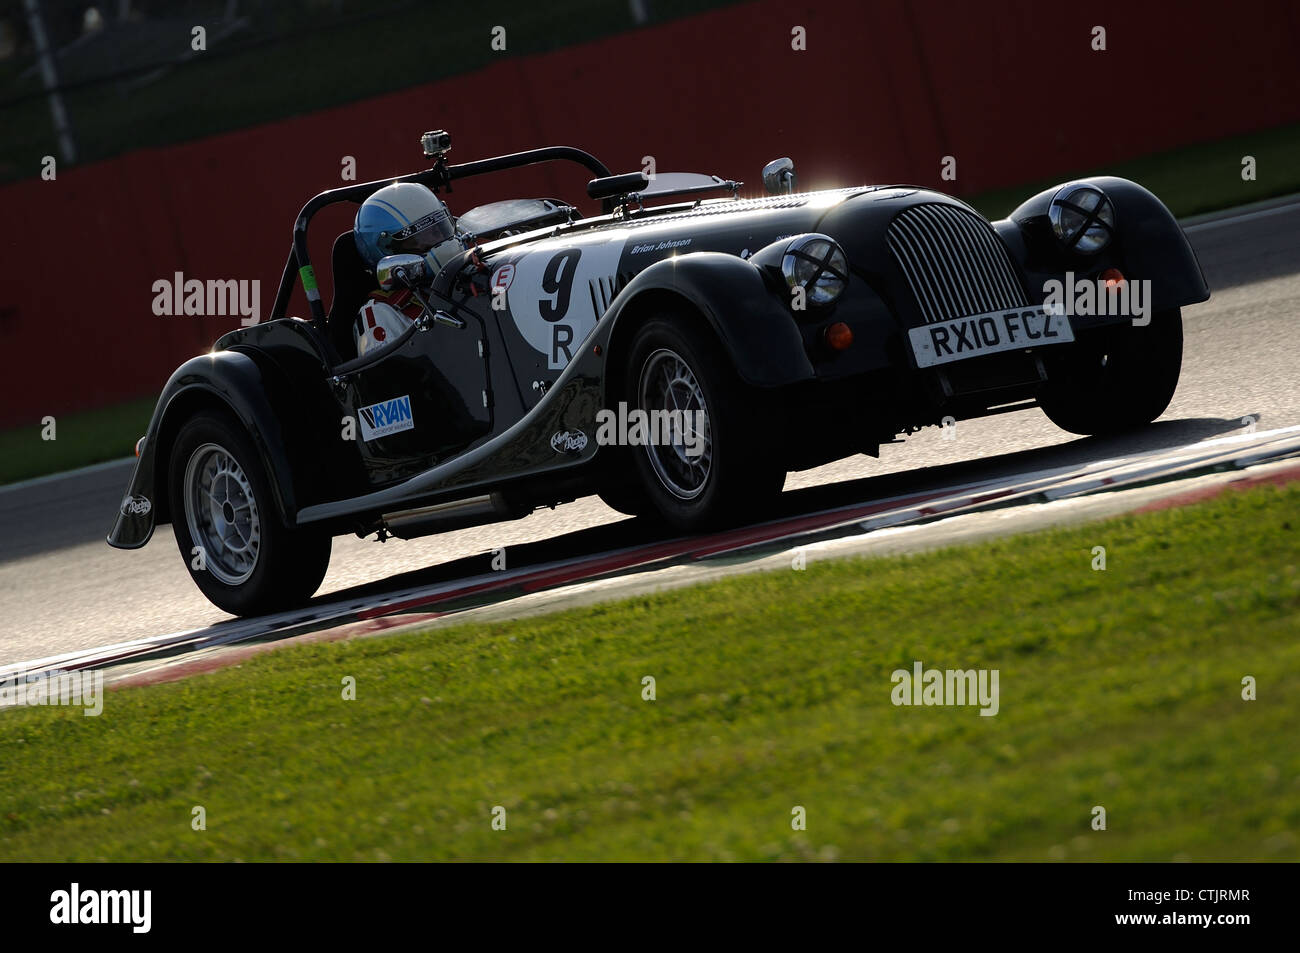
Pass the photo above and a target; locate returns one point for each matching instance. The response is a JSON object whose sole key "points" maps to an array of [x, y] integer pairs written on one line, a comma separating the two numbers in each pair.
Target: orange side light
{"points": [[138, 444], [839, 336], [1113, 277]]}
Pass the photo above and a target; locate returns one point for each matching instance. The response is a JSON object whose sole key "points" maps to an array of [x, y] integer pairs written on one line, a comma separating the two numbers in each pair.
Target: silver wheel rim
{"points": [[668, 383], [221, 512]]}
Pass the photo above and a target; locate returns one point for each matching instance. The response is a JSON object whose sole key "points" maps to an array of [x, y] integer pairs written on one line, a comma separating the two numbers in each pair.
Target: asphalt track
{"points": [[62, 589]]}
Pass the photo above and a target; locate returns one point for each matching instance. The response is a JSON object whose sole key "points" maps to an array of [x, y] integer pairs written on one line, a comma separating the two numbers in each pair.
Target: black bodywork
{"points": [[489, 398]]}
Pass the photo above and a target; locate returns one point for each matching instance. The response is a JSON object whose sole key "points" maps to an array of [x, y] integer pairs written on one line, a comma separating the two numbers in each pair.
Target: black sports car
{"points": [[677, 354]]}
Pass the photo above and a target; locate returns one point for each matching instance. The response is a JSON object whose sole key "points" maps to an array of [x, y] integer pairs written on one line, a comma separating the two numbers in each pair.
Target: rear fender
{"points": [[229, 381]]}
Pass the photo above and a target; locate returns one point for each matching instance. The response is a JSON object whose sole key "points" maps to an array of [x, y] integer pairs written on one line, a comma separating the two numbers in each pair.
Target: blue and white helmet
{"points": [[406, 218]]}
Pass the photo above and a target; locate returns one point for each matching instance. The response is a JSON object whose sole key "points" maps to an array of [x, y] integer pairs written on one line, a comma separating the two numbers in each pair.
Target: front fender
{"points": [[754, 325], [1149, 243], [228, 380]]}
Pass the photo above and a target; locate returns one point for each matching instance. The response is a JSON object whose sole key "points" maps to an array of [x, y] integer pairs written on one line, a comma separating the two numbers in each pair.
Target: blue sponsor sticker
{"points": [[385, 418]]}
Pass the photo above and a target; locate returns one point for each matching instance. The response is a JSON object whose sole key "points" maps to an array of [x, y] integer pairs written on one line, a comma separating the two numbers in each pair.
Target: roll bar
{"points": [[439, 176]]}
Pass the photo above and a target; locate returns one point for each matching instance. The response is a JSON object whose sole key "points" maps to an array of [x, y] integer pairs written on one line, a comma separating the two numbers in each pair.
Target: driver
{"points": [[402, 218]]}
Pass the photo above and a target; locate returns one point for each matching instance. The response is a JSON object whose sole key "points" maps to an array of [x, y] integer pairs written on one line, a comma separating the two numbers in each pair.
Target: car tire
{"points": [[732, 478], [222, 506], [1116, 378], [621, 489]]}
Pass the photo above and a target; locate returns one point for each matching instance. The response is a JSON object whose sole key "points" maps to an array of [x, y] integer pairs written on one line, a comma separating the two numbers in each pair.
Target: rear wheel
{"points": [[238, 551], [1117, 378], [714, 468]]}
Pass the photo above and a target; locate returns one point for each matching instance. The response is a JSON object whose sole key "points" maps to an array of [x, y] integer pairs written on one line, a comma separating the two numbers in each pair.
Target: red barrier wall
{"points": [[882, 93]]}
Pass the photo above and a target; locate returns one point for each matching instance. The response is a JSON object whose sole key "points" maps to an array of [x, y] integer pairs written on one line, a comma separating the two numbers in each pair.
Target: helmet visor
{"points": [[418, 237]]}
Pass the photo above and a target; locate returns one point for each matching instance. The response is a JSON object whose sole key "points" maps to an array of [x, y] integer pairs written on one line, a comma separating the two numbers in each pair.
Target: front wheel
{"points": [[621, 489], [705, 460], [1117, 378], [238, 552]]}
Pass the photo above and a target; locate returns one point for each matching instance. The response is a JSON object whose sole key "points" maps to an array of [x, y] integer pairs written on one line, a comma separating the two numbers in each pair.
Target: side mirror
{"points": [[778, 176], [401, 271]]}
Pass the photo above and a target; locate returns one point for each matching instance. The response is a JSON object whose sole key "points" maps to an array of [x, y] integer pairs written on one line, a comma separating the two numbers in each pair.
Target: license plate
{"points": [[980, 334]]}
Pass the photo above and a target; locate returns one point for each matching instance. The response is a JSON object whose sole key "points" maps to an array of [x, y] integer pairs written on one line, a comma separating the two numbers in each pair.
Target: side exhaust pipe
{"points": [[458, 514]]}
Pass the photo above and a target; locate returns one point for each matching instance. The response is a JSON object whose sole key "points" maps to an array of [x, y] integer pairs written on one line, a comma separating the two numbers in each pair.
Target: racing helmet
{"points": [[406, 218]]}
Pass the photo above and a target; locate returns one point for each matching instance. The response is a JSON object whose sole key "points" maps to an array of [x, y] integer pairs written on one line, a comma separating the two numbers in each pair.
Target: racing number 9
{"points": [[557, 280]]}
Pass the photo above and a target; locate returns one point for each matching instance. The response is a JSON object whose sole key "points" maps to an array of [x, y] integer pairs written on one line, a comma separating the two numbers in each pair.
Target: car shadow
{"points": [[1163, 435], [630, 532]]}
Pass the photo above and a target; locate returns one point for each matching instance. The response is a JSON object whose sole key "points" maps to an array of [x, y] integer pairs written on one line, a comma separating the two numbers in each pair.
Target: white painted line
{"points": [[1141, 470], [1254, 457], [955, 530], [1219, 213], [242, 630], [1057, 483], [1244, 217], [66, 475]]}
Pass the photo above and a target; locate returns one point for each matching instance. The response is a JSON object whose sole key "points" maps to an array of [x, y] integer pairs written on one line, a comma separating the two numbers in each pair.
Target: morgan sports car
{"points": [[768, 334]]}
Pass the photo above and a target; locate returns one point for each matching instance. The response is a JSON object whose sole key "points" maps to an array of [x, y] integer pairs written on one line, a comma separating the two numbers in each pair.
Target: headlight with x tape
{"points": [[817, 264]]}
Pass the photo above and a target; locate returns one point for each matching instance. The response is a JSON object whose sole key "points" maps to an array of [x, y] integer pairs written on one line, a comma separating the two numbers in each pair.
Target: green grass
{"points": [[80, 439], [1190, 180], [1118, 688]]}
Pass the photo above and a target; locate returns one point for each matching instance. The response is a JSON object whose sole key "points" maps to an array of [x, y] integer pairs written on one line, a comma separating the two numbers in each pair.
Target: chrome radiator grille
{"points": [[954, 262]]}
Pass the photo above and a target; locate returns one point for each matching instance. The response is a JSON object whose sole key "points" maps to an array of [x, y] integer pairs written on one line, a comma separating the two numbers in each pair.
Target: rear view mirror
{"points": [[400, 271], [612, 185], [778, 176]]}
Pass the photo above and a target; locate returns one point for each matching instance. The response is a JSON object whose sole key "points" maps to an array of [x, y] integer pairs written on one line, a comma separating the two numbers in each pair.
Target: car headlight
{"points": [[1082, 217], [817, 264]]}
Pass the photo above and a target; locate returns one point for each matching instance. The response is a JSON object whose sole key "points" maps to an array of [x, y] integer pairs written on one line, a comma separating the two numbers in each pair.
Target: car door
{"points": [[419, 400]]}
